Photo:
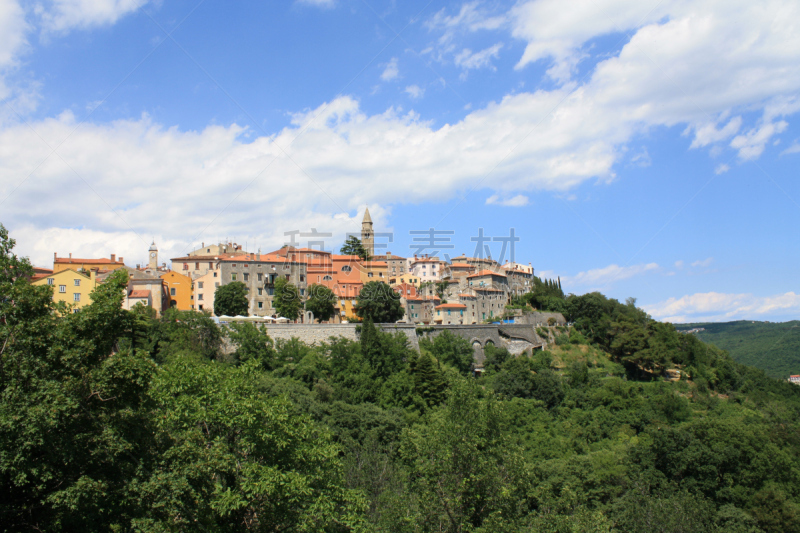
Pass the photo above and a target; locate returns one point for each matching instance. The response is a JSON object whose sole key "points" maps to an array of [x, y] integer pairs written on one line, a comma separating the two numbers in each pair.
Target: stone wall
{"points": [[318, 333], [539, 318]]}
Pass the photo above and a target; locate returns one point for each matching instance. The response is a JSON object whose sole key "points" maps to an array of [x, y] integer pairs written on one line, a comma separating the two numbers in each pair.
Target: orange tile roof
{"points": [[138, 293], [451, 306], [487, 273], [466, 296], [104, 260], [461, 265], [374, 263]]}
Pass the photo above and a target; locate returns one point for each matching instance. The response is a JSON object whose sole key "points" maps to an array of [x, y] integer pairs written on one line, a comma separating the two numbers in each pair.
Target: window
{"points": [[211, 265], [50, 281], [76, 297], [247, 265], [302, 292], [199, 296], [259, 266], [197, 266], [346, 268], [215, 275], [233, 276], [199, 284], [369, 274], [234, 265], [246, 276], [186, 266], [260, 275], [288, 276], [286, 266], [327, 278], [77, 282], [200, 307], [75, 310], [260, 292], [302, 278], [172, 291], [62, 288]]}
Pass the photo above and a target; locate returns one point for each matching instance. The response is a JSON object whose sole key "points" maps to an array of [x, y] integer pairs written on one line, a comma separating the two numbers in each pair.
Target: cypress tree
{"points": [[428, 380], [370, 344]]}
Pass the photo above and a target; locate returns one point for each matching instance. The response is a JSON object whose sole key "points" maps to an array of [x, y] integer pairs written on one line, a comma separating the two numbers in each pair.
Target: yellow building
{"points": [[410, 279], [70, 263], [71, 287], [179, 288], [374, 271]]}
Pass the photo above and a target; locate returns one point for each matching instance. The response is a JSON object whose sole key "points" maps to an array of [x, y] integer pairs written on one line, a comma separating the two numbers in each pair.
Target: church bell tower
{"points": [[367, 236], [153, 259]]}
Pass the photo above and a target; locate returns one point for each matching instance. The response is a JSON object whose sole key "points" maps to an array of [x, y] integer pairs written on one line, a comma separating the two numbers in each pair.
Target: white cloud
{"points": [[317, 3], [678, 264], [704, 263], [793, 148], [709, 133], [415, 91], [390, 72], [751, 144], [63, 15], [716, 307], [601, 277], [722, 168], [470, 18], [642, 158], [519, 200], [468, 60]]}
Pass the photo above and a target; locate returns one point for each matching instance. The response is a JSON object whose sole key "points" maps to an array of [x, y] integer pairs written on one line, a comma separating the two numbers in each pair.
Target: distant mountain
{"points": [[771, 346]]}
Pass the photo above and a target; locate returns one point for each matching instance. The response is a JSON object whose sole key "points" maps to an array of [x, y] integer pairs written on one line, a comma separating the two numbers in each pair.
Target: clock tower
{"points": [[153, 260]]}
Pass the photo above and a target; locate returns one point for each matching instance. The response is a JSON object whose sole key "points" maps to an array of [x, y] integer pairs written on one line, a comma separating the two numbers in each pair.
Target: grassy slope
{"points": [[772, 347]]}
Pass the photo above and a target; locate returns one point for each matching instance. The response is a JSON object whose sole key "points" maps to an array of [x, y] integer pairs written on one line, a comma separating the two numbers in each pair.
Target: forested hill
{"points": [[771, 346], [115, 420]]}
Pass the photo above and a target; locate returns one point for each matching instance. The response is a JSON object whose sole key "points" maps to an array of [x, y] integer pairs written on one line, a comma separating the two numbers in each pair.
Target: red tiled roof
{"points": [[138, 293], [487, 273], [451, 306], [461, 265], [466, 296], [104, 260], [374, 263]]}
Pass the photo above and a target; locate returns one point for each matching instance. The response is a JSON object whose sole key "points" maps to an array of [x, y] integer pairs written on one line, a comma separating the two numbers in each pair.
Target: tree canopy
{"points": [[231, 299], [286, 300], [321, 302], [379, 303], [353, 246]]}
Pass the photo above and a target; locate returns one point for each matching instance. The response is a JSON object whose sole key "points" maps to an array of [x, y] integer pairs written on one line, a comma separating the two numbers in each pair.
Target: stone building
{"points": [[449, 313], [259, 272], [426, 268], [395, 265]]}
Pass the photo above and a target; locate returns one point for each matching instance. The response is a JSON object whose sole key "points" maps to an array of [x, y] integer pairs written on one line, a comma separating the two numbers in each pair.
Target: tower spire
{"points": [[367, 236]]}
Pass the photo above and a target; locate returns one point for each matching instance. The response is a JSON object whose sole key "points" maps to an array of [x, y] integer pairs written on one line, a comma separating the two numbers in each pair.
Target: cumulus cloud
{"points": [[718, 307], [63, 15], [466, 59], [390, 71], [601, 277], [415, 91], [519, 200], [793, 148], [704, 263]]}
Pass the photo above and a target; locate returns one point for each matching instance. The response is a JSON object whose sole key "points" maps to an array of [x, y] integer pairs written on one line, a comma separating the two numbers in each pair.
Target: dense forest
{"points": [[771, 346], [113, 420]]}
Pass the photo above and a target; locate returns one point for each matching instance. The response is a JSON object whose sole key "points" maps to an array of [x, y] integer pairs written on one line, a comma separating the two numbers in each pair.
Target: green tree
{"points": [[286, 300], [231, 299], [320, 302], [441, 288], [463, 467], [378, 303], [253, 344], [353, 246], [429, 382], [452, 350]]}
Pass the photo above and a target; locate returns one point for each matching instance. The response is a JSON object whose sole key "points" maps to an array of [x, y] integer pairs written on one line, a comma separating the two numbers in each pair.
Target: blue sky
{"points": [[644, 149]]}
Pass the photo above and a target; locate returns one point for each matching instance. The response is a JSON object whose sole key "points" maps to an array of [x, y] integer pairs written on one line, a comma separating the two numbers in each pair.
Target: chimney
{"points": [[138, 266], [55, 256], [120, 259], [113, 257], [70, 255]]}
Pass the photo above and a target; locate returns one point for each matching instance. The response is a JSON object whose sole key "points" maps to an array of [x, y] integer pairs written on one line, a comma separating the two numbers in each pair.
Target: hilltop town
{"points": [[463, 290]]}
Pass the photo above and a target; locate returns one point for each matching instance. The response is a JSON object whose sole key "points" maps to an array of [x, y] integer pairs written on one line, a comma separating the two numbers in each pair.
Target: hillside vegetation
{"points": [[113, 420], [772, 347]]}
